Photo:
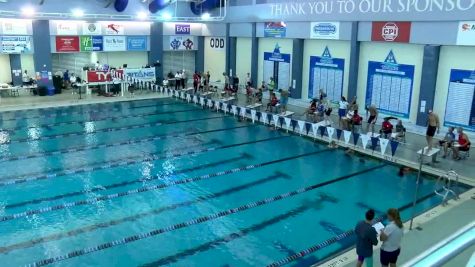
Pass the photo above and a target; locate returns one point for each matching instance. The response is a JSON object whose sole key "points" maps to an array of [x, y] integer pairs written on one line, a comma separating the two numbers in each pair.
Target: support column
{"points": [[254, 56], [297, 66], [200, 55], [430, 64], [228, 49], [42, 55], [232, 55], [16, 70], [156, 49], [354, 62]]}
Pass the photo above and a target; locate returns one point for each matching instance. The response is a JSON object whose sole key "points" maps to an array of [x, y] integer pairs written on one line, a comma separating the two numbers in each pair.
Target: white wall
{"points": [[117, 59], [28, 64], [409, 54], [243, 58], [5, 74], [338, 49], [268, 45], [215, 61], [451, 57]]}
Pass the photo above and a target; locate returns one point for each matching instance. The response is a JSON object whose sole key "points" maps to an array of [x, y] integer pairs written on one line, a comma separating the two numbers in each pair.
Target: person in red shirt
{"points": [[463, 144], [272, 103], [387, 128]]}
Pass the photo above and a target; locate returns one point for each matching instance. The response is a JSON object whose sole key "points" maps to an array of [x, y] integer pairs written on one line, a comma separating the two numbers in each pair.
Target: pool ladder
{"points": [[444, 186]]}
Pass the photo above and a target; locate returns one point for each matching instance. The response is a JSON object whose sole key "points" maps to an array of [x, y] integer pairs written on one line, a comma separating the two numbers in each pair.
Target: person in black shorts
{"points": [[373, 117], [433, 126]]}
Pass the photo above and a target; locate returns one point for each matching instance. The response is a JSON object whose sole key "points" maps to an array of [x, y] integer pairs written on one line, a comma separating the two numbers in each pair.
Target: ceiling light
{"points": [[205, 16], [142, 15], [166, 16], [28, 11], [78, 13]]}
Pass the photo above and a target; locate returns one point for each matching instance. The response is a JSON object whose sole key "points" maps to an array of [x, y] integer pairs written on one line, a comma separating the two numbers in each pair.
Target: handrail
{"points": [[446, 249]]}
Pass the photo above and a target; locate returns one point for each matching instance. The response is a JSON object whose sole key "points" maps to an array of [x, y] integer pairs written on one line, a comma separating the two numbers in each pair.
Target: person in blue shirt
{"points": [[448, 141], [366, 238]]}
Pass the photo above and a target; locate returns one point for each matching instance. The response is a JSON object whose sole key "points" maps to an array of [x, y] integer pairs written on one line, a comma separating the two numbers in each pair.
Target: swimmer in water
{"points": [[332, 144], [403, 170]]}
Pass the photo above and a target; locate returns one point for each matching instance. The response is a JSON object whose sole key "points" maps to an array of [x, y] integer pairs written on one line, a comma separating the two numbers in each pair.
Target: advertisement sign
{"points": [[16, 44], [460, 105], [91, 29], [67, 43], [114, 43], [466, 33], [325, 30], [182, 29], [91, 43], [326, 73], [277, 65], [391, 31], [182, 43], [275, 29], [143, 74], [97, 76], [15, 27], [137, 43], [66, 28], [114, 29], [218, 43], [389, 86]]}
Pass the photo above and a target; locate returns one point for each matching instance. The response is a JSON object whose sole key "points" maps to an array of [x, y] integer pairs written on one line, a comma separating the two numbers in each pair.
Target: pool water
{"points": [[165, 183]]}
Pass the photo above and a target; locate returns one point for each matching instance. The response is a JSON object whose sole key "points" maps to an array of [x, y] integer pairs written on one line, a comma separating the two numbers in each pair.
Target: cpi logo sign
{"points": [[390, 31], [182, 29]]}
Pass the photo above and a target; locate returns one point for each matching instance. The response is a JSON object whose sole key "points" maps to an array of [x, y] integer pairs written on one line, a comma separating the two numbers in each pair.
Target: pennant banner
{"points": [[338, 134], [374, 142], [195, 99], [188, 98], [253, 115], [364, 140], [275, 118], [315, 129], [234, 109], [321, 129], [287, 123], [330, 132], [394, 145], [243, 112], [384, 144], [264, 117], [346, 135], [301, 126], [356, 136], [202, 101], [210, 103]]}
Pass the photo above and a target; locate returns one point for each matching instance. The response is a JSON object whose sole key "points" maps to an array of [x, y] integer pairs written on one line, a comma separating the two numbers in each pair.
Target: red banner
{"points": [[98, 76], [391, 31], [67, 43]]}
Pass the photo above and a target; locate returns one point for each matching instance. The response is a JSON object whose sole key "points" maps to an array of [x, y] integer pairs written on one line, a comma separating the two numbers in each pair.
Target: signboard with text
{"points": [[142, 74], [325, 30], [399, 32], [16, 44], [14, 27], [67, 43], [137, 43], [66, 28], [97, 76], [91, 29], [275, 29], [460, 105], [114, 43], [182, 29], [466, 33], [91, 43]]}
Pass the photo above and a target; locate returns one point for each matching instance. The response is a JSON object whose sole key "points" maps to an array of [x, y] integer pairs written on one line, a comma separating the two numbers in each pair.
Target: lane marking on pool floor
{"points": [[127, 161], [83, 110], [108, 118], [149, 188], [199, 220], [116, 144], [107, 130], [135, 217], [334, 239]]}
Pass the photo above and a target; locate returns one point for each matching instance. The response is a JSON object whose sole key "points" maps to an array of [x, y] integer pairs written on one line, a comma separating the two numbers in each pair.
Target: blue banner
{"points": [[460, 104], [326, 73], [137, 43], [389, 86]]}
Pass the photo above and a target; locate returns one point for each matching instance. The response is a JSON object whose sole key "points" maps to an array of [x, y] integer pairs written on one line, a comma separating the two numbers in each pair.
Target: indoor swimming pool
{"points": [[161, 182]]}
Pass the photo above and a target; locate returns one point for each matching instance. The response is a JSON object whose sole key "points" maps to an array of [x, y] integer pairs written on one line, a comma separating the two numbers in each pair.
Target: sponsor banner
{"points": [[91, 29], [114, 43], [67, 43], [325, 30], [15, 27], [142, 74], [66, 28], [275, 29], [391, 32], [97, 76], [182, 29], [137, 43], [466, 33], [218, 43], [91, 43], [182, 43], [114, 29], [16, 44]]}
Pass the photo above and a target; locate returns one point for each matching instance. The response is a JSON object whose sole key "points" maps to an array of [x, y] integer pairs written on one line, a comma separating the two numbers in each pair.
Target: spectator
{"points": [[226, 81], [248, 80], [366, 238], [259, 96], [356, 121], [206, 82], [448, 141], [463, 144], [400, 130], [272, 103], [26, 78], [312, 109], [263, 86], [271, 86], [433, 126], [322, 96], [343, 105], [391, 237], [387, 128]]}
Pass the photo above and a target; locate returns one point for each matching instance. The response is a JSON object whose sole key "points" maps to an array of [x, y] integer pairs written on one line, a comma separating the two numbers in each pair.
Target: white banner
{"points": [[114, 43], [142, 74], [301, 126], [315, 129], [202, 101], [325, 30], [383, 145], [15, 27], [275, 118], [287, 122], [264, 117], [253, 115], [114, 28], [364, 140], [243, 112], [91, 28], [346, 135], [234, 109], [66, 28], [330, 131], [466, 33]]}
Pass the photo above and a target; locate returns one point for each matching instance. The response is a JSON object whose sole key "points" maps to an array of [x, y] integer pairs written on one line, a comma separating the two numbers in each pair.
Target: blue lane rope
{"points": [[195, 221]]}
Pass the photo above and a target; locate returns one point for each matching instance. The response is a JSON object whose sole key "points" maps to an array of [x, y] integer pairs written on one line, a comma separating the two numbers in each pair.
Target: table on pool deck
{"points": [[430, 154], [228, 99], [10, 89], [256, 106], [106, 84]]}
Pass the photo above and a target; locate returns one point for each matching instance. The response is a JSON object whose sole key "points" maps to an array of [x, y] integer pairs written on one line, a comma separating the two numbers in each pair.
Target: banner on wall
{"points": [[326, 73], [466, 33], [183, 29], [275, 29], [16, 44], [137, 43], [460, 105], [66, 28], [391, 31], [114, 29], [142, 74], [218, 43], [277, 66], [325, 30], [182, 43], [67, 43], [91, 29], [15, 27], [114, 43], [389, 86], [97, 76], [91, 43]]}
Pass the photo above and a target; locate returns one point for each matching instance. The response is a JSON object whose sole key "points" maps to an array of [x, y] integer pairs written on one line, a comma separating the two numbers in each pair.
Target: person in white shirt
{"points": [[248, 80], [391, 237], [177, 80], [343, 106], [73, 78], [25, 78]]}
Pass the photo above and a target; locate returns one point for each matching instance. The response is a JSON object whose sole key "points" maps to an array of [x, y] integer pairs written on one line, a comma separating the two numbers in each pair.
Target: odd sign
{"points": [[217, 43]]}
